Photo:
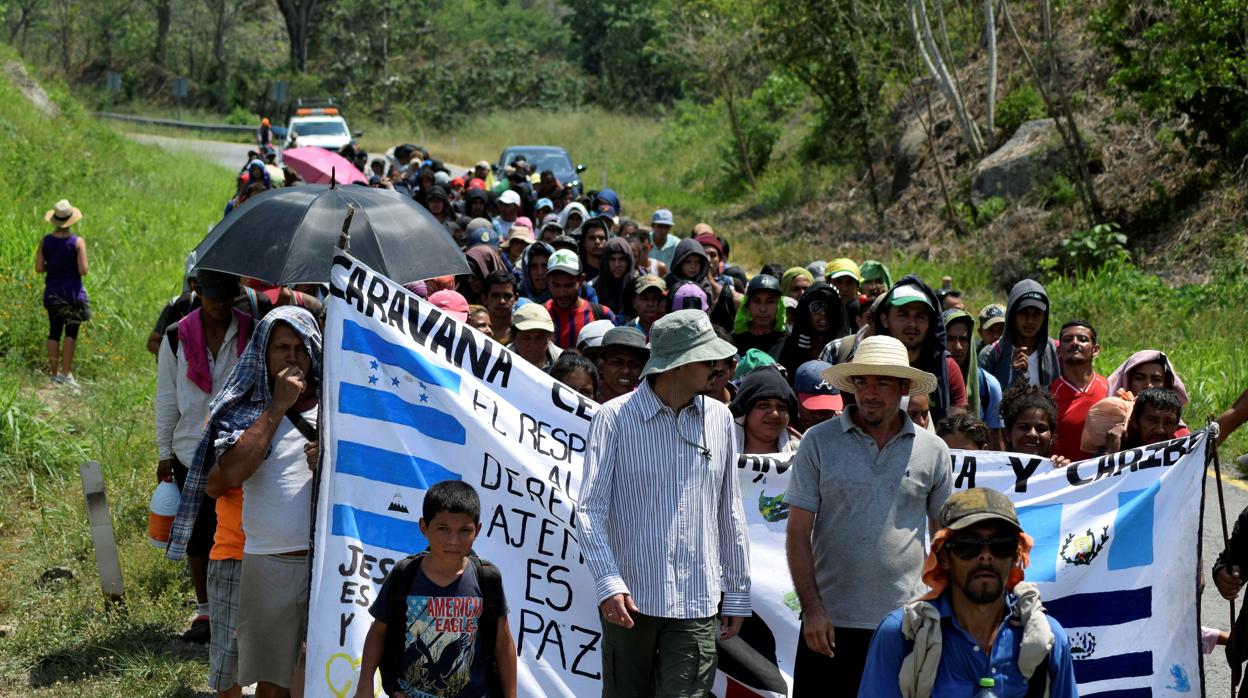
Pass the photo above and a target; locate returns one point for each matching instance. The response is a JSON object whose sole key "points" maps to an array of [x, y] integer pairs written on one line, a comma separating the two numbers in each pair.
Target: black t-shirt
{"points": [[440, 656]]}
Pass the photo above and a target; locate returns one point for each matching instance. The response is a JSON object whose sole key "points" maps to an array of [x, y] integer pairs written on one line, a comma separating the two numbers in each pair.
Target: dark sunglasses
{"points": [[817, 307], [968, 547]]}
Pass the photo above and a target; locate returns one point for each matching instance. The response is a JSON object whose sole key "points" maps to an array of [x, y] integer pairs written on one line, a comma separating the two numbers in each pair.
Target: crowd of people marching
{"points": [[868, 379]]}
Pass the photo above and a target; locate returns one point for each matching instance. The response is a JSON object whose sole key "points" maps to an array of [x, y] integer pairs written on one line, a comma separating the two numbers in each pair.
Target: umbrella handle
{"points": [[344, 240]]}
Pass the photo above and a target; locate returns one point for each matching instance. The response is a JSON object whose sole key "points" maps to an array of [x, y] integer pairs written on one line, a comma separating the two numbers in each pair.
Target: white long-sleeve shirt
{"points": [[661, 513], [181, 407]]}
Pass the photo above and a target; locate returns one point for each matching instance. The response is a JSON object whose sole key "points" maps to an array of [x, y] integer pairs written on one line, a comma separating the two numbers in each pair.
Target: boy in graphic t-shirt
{"points": [[440, 619]]}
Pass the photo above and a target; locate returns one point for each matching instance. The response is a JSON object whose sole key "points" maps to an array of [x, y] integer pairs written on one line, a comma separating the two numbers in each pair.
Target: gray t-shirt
{"points": [[871, 506]]}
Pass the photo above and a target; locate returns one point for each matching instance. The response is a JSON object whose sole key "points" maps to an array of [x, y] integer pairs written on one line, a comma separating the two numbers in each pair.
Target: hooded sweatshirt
{"points": [[526, 279], [803, 343], [475, 195], [610, 197], [998, 358], [763, 383], [950, 390], [616, 293], [723, 311], [563, 218]]}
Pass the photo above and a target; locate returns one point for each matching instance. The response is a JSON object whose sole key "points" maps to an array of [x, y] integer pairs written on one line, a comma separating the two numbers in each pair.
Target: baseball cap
{"points": [[451, 303], [763, 282], [509, 197], [813, 391], [217, 285], [647, 282], [662, 217], [591, 334], [1032, 299], [565, 261], [543, 203], [993, 314], [480, 236], [483, 163], [842, 266], [565, 242], [689, 295], [532, 316], [909, 294], [978, 504], [625, 337]]}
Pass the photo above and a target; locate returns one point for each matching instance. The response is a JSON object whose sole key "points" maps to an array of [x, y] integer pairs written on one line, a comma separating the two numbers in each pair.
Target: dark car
{"points": [[542, 157]]}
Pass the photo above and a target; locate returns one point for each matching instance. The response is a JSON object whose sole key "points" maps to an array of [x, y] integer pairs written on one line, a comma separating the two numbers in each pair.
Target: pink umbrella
{"points": [[315, 165]]}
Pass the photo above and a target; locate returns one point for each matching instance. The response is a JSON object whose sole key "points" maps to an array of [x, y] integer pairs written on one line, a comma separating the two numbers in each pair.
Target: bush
{"points": [[1090, 249], [1018, 107]]}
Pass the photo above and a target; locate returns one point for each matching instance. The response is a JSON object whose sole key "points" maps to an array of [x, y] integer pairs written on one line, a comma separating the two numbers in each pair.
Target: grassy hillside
{"points": [[143, 210]]}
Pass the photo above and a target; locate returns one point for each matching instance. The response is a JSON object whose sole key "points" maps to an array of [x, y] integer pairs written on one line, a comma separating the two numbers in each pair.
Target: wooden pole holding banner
{"points": [[102, 537], [1226, 545]]}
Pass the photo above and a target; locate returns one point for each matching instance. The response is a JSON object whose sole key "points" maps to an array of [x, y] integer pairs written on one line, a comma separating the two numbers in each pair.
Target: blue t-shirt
{"points": [[440, 655]]}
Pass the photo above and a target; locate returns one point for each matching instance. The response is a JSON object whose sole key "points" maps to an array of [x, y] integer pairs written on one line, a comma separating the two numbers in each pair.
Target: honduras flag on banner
{"points": [[411, 397]]}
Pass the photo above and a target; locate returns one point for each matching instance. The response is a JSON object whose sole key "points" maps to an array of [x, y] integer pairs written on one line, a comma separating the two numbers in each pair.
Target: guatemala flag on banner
{"points": [[1116, 556]]}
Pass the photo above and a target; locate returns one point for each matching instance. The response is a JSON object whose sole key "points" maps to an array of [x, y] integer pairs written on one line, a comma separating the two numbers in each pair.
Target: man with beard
{"points": [[1078, 388], [908, 313], [659, 611], [863, 488], [978, 618]]}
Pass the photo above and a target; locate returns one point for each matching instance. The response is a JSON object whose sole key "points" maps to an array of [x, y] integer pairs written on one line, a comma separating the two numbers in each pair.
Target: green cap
{"points": [[903, 295], [987, 683], [969, 507]]}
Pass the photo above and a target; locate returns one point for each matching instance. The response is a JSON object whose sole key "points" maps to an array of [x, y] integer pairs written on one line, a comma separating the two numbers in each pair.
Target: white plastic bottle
{"points": [[987, 689], [163, 509]]}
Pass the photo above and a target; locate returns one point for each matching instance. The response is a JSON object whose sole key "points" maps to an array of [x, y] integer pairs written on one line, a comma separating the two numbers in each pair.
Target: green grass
{"points": [[143, 210]]}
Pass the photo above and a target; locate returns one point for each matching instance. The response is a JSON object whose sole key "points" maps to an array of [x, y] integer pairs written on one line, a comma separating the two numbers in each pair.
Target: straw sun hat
{"points": [[880, 356], [63, 214]]}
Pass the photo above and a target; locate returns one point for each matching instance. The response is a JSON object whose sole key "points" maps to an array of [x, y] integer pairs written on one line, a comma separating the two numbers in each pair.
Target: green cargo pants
{"points": [[660, 657]]}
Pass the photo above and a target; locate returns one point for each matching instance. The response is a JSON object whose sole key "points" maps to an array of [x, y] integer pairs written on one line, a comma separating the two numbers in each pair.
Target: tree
{"points": [[25, 12], [224, 14], [298, 17], [609, 38], [841, 50], [717, 40], [164, 17]]}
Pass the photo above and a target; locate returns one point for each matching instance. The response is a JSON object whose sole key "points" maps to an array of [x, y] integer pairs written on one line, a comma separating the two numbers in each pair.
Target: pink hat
{"points": [[451, 303], [690, 292]]}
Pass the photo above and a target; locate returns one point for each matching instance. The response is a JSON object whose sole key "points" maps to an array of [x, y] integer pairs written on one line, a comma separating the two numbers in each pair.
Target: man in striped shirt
{"points": [[663, 527]]}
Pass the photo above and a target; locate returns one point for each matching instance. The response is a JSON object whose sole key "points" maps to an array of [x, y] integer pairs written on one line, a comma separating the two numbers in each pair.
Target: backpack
{"points": [[489, 578], [258, 306]]}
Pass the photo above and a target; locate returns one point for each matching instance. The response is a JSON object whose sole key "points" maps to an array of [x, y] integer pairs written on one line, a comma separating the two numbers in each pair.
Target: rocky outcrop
{"points": [[1029, 158]]}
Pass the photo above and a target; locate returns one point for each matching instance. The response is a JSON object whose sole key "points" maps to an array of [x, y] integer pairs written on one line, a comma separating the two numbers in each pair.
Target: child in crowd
{"points": [[440, 619]]}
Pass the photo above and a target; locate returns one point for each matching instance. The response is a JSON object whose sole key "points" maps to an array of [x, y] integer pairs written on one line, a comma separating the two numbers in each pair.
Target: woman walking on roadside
{"points": [[63, 257]]}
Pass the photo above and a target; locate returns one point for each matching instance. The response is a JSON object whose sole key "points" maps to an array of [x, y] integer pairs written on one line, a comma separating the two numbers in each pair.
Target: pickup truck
{"points": [[321, 126]]}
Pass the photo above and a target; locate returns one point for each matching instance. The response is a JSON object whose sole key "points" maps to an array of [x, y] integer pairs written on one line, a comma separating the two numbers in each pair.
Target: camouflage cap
{"points": [[976, 505]]}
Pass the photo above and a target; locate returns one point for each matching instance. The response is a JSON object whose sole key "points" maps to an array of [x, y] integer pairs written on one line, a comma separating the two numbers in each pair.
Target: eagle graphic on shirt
{"points": [[439, 645]]}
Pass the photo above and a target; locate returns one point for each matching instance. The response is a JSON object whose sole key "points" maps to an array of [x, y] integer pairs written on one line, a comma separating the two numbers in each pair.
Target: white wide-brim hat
{"points": [[880, 355], [63, 214]]}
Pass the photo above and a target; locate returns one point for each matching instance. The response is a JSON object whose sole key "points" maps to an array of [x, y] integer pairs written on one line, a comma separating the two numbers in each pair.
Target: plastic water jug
{"points": [[163, 509]]}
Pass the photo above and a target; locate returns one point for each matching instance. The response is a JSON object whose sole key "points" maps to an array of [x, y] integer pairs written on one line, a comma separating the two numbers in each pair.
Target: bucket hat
{"points": [[63, 214], [684, 337], [880, 355]]}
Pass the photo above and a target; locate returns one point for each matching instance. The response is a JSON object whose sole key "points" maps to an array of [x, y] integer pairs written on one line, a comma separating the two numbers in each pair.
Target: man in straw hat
{"points": [[665, 535], [863, 485], [978, 620]]}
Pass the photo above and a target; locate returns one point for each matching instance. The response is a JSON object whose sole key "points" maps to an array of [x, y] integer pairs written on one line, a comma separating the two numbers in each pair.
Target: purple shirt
{"points": [[60, 258]]}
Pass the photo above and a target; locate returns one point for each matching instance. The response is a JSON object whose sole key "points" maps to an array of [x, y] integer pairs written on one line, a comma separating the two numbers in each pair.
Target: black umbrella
{"points": [[288, 236]]}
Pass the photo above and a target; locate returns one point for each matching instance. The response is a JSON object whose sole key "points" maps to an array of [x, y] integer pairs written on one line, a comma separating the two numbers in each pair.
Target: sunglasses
{"points": [[968, 547], [817, 307]]}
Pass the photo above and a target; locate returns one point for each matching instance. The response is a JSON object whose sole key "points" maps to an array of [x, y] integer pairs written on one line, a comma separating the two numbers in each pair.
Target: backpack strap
{"points": [[490, 579], [171, 334], [398, 582]]}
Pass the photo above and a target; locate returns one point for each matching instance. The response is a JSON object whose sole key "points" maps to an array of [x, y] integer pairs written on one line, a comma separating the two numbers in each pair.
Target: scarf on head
{"points": [[244, 397], [195, 346]]}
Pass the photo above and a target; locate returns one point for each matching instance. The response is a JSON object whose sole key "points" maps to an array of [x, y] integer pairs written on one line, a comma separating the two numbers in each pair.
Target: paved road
{"points": [[230, 155], [1214, 612]]}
